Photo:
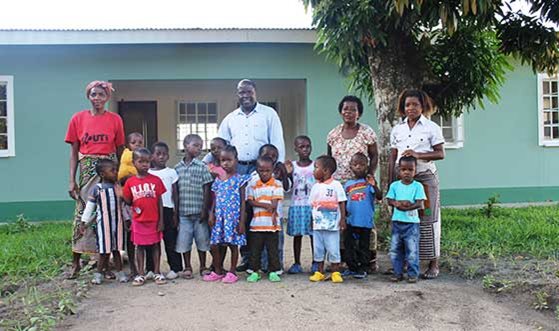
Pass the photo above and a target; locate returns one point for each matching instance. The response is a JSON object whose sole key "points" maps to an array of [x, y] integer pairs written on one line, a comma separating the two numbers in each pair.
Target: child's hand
{"points": [[371, 180], [343, 224], [241, 228], [275, 219], [204, 216], [175, 219], [280, 171], [271, 209], [128, 224], [118, 191], [160, 226], [289, 166], [211, 220]]}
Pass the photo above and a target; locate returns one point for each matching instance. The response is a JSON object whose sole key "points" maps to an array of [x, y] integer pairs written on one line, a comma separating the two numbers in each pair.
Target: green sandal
{"points": [[254, 277], [274, 277]]}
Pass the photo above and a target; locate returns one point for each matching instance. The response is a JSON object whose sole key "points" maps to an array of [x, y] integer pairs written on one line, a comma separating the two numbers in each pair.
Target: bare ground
{"points": [[448, 303]]}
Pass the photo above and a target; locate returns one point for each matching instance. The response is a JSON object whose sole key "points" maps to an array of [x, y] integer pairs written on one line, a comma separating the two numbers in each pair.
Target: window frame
{"points": [[541, 138], [457, 132], [180, 150], [10, 119]]}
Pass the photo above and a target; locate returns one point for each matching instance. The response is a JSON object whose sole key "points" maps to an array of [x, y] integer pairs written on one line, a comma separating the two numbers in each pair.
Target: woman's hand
{"points": [[410, 152], [73, 190]]}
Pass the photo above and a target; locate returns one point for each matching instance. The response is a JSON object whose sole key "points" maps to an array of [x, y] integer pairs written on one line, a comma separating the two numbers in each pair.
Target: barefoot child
{"points": [[227, 216], [300, 211], [169, 177], [194, 204], [328, 211], [143, 192], [406, 196], [109, 224], [361, 193], [264, 195]]}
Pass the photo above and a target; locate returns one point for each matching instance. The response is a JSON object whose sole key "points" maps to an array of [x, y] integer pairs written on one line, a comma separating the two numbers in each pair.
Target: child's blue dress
{"points": [[228, 210]]}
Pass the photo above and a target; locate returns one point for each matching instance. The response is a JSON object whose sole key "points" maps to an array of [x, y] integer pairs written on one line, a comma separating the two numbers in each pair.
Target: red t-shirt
{"points": [[144, 193], [97, 135]]}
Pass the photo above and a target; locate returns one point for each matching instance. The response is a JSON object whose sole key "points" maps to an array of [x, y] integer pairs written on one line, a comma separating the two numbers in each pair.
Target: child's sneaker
{"points": [[274, 277], [412, 280], [121, 276], [337, 277], [150, 275], [396, 278], [314, 267], [317, 277], [295, 269], [230, 278], [171, 275], [212, 277], [360, 275], [348, 273], [97, 278], [254, 277]]}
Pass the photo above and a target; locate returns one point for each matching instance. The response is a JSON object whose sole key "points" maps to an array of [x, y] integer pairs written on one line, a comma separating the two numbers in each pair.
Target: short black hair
{"points": [[102, 164], [230, 149], [133, 134], [246, 82], [328, 162], [302, 137], [223, 141], [190, 137], [265, 159], [407, 159], [160, 144], [263, 147], [361, 157], [140, 152], [351, 98]]}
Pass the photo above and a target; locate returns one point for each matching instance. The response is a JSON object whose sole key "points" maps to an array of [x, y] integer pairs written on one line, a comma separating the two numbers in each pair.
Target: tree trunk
{"points": [[391, 73]]}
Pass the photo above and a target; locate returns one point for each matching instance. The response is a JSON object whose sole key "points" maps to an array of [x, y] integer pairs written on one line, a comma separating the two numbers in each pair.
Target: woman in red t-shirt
{"points": [[92, 134]]}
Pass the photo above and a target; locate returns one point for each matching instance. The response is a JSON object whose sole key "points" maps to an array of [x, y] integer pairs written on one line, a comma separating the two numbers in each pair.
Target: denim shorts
{"points": [[326, 242], [190, 229]]}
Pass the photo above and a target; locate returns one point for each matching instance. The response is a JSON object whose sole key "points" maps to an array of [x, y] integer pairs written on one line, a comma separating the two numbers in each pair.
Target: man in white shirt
{"points": [[251, 126]]}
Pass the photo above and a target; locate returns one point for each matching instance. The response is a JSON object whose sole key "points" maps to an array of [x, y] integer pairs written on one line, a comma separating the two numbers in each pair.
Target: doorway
{"points": [[140, 116]]}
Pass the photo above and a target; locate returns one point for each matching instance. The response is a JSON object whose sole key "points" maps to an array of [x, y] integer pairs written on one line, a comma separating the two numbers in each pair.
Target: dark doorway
{"points": [[140, 116]]}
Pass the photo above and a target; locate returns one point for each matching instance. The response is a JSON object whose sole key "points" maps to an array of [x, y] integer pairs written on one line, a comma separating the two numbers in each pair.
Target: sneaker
{"points": [[254, 277], [248, 271], [97, 279], [412, 280], [171, 275], [396, 278], [360, 275], [314, 267], [150, 275], [317, 277], [337, 277], [295, 269], [230, 278], [242, 268], [212, 277], [348, 273], [274, 277], [121, 276]]}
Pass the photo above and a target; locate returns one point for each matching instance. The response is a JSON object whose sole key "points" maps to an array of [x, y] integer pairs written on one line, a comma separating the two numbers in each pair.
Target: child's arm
{"points": [[274, 211], [211, 217], [207, 201], [342, 215], [282, 174], [242, 221], [371, 180], [176, 203], [393, 203], [119, 190], [160, 223], [407, 205], [267, 206]]}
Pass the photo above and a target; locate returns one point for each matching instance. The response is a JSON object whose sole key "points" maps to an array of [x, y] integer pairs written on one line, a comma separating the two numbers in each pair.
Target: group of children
{"points": [[212, 204]]}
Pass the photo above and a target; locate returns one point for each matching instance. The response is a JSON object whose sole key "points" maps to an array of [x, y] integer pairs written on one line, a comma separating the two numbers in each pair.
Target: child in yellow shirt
{"points": [[126, 169]]}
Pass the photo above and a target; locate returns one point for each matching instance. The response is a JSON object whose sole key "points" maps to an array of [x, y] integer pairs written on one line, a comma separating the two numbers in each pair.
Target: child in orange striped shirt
{"points": [[263, 194]]}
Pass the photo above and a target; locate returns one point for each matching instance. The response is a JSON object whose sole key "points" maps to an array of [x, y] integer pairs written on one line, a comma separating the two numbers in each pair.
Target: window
{"points": [[453, 130], [548, 110], [197, 118], [7, 136], [272, 104]]}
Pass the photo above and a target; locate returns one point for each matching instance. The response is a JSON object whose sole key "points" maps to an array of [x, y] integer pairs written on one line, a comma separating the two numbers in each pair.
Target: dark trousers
{"points": [[259, 241], [356, 242], [170, 234]]}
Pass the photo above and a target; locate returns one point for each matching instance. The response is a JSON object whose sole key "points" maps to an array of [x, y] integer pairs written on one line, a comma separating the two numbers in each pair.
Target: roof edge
{"points": [[155, 36]]}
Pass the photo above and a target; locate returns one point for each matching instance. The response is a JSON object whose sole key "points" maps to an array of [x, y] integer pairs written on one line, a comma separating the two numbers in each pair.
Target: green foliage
{"points": [[490, 209], [530, 231], [456, 50], [541, 302], [33, 251]]}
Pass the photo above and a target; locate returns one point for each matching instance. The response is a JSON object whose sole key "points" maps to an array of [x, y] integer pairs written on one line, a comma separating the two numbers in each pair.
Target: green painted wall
{"points": [[500, 150]]}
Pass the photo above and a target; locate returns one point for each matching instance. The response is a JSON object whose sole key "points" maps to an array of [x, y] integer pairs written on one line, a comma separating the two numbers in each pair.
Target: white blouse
{"points": [[421, 138]]}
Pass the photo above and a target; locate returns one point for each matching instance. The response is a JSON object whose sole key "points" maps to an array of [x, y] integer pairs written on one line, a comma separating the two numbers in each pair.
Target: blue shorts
{"points": [[190, 229], [326, 242]]}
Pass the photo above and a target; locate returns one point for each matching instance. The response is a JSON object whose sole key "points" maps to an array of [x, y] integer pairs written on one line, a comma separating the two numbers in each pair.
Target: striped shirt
{"points": [[264, 193], [192, 178]]}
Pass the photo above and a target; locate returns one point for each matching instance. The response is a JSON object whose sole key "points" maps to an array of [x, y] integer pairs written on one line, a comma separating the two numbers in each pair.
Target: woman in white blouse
{"points": [[421, 138]]}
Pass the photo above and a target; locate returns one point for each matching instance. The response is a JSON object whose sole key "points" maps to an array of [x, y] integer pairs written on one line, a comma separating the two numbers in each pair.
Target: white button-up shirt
{"points": [[421, 138], [249, 132]]}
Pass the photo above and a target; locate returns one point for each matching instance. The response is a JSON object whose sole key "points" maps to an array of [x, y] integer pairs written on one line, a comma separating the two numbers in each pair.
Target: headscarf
{"points": [[108, 87]]}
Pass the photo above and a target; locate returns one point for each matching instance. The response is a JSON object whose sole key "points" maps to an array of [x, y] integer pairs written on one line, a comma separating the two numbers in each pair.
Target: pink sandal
{"points": [[230, 278], [212, 277]]}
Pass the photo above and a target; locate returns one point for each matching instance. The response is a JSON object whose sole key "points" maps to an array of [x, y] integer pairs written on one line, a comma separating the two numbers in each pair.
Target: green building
{"points": [[172, 82]]}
